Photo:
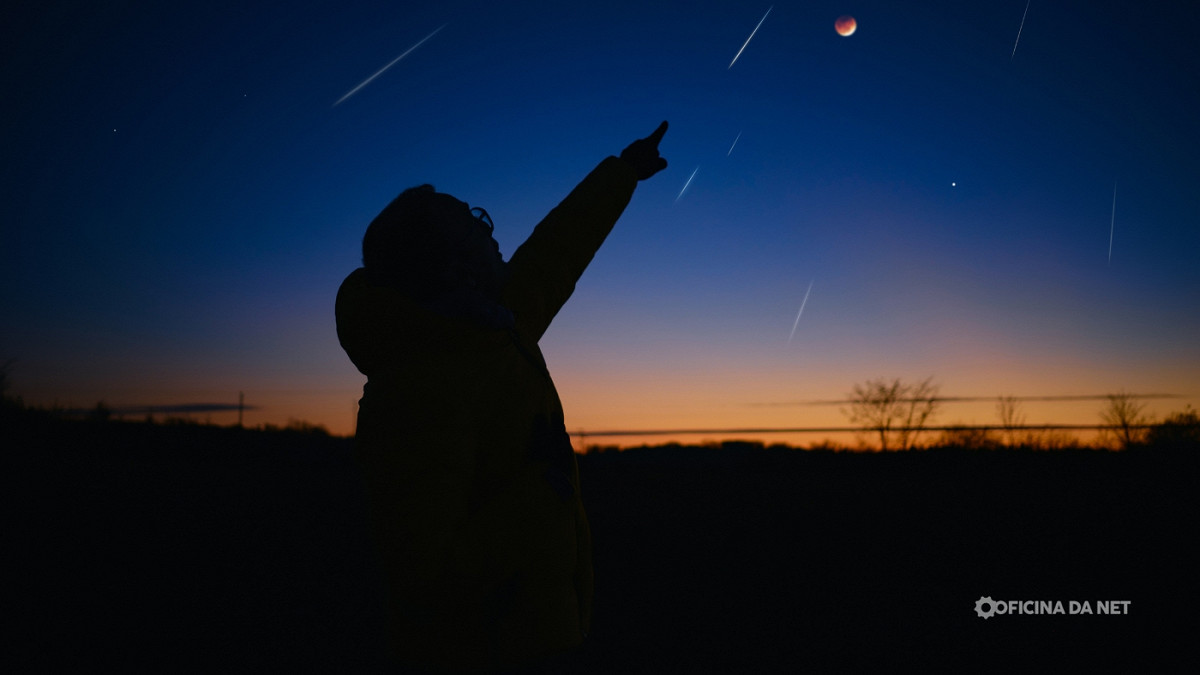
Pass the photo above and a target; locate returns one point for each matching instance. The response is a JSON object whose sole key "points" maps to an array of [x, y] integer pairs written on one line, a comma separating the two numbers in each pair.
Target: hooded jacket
{"points": [[471, 480]]}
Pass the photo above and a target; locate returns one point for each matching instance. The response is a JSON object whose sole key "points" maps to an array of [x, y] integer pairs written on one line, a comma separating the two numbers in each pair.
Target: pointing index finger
{"points": [[658, 133]]}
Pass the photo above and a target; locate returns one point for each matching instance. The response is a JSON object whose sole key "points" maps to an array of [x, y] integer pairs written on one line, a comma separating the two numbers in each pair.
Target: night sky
{"points": [[182, 197]]}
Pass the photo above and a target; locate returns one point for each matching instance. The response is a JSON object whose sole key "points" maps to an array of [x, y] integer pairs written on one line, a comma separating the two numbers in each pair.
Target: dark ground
{"points": [[166, 549]]}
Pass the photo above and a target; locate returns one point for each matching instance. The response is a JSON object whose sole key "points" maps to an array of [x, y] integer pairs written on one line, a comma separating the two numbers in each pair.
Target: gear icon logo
{"points": [[991, 607]]}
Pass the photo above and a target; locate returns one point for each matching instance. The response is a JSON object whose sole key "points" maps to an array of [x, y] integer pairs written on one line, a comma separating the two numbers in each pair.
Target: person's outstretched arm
{"points": [[545, 268]]}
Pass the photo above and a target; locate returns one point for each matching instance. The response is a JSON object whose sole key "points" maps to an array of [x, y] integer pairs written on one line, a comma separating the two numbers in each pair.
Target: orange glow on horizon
{"points": [[755, 391]]}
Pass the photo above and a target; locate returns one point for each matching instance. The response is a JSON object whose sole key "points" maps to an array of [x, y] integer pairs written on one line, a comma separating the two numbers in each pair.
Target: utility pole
{"points": [[241, 407]]}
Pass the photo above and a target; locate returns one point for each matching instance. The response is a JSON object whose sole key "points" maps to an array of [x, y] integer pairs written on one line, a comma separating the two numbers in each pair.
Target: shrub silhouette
{"points": [[1011, 418], [968, 438], [1179, 431]]}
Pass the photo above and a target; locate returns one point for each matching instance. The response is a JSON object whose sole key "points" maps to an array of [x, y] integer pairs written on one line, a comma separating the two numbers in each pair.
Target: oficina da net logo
{"points": [[986, 607]]}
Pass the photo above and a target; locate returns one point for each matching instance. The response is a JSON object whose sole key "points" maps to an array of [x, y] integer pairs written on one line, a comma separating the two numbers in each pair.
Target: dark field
{"points": [[166, 549]]}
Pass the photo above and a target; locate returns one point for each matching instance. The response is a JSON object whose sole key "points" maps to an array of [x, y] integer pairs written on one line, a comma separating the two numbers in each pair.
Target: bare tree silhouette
{"points": [[894, 409], [1126, 421]]}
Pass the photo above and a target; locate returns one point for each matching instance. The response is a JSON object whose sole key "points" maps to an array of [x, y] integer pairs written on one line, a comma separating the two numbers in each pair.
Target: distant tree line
{"points": [[897, 412]]}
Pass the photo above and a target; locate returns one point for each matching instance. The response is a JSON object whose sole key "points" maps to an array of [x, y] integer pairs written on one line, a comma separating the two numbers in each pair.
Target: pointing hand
{"points": [[642, 154]]}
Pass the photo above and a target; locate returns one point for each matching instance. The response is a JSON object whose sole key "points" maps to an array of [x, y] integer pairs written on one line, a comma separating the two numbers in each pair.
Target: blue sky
{"points": [[182, 197]]}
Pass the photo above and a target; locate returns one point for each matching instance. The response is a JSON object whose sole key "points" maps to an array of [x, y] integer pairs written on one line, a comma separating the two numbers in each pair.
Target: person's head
{"points": [[428, 243]]}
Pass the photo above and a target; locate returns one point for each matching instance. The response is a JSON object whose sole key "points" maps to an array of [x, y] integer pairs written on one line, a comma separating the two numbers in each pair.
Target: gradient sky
{"points": [[181, 197]]}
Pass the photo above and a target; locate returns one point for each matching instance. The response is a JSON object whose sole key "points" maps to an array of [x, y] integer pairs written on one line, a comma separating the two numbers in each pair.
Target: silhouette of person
{"points": [[470, 475]]}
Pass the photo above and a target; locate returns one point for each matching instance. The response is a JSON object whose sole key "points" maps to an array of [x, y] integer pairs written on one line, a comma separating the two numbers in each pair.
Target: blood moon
{"points": [[845, 25]]}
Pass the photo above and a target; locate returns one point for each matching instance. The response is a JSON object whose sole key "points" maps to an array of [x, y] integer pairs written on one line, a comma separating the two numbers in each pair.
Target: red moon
{"points": [[845, 26]]}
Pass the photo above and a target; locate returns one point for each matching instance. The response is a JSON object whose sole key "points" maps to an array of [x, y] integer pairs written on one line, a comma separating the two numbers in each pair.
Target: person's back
{"points": [[471, 477]]}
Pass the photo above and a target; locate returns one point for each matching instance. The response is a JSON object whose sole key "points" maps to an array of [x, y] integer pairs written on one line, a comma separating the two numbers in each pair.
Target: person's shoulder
{"points": [[358, 276], [352, 290], [354, 281]]}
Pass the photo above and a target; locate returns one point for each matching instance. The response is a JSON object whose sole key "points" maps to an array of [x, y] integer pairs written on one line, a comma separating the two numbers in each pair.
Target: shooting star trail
{"points": [[760, 23], [734, 143], [381, 70], [802, 303], [1113, 223], [1019, 30], [689, 182]]}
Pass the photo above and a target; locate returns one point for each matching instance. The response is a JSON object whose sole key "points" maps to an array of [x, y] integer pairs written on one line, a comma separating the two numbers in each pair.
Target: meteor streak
{"points": [[760, 22], [689, 182], [381, 70], [734, 143], [1113, 223], [1019, 30], [802, 303]]}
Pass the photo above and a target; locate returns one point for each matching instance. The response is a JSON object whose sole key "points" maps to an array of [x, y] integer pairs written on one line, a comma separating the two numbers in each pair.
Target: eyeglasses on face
{"points": [[483, 217]]}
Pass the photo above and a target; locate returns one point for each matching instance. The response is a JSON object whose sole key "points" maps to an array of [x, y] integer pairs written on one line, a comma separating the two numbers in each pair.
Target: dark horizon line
{"points": [[869, 430], [162, 409], [960, 399]]}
